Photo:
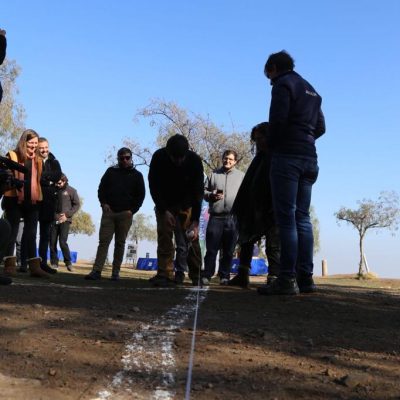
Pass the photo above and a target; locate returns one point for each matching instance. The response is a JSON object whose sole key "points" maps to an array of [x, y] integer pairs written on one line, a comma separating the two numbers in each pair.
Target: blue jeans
{"points": [[292, 178], [222, 234]]}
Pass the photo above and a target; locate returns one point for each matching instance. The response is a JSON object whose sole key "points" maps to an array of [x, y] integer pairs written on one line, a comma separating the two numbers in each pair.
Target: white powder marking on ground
{"points": [[148, 358]]}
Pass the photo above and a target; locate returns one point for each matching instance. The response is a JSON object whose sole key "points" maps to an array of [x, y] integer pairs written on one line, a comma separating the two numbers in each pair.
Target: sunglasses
{"points": [[127, 158]]}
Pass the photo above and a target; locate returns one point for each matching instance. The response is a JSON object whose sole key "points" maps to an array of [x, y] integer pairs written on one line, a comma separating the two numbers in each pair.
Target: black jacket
{"points": [[253, 202], [122, 189], [51, 174], [295, 117], [3, 46], [67, 202], [175, 188]]}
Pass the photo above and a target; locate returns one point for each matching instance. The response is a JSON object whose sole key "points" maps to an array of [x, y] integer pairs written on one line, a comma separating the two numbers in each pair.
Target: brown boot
{"points": [[34, 268], [10, 266]]}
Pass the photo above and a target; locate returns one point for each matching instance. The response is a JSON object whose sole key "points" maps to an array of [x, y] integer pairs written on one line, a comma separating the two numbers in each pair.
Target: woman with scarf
{"points": [[24, 203]]}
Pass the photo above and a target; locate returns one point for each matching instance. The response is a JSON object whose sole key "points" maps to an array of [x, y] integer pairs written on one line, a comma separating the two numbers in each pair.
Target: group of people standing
{"points": [[45, 199], [272, 199]]}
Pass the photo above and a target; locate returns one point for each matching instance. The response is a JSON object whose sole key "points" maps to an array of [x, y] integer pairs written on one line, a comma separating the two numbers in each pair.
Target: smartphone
{"points": [[220, 191]]}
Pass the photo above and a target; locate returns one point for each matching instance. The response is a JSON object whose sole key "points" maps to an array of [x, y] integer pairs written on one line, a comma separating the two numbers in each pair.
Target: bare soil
{"points": [[67, 338]]}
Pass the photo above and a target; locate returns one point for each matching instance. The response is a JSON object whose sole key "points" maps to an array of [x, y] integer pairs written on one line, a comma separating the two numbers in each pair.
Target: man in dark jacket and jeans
{"points": [[295, 122], [67, 204], [51, 174], [121, 194]]}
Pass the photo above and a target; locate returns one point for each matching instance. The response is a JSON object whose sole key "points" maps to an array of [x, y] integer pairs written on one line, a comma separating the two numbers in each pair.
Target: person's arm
{"points": [[75, 203], [320, 127], [3, 45], [198, 189], [51, 176], [139, 193], [155, 182], [278, 113]]}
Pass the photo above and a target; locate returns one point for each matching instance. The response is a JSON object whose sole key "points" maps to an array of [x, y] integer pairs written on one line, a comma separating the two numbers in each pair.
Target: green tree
{"points": [[12, 114], [142, 228], [383, 213], [82, 223]]}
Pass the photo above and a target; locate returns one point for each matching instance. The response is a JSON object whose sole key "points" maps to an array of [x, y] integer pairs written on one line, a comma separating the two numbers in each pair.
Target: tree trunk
{"points": [[361, 263]]}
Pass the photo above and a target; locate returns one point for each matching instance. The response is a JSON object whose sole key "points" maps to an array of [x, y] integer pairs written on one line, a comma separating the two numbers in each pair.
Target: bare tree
{"points": [[12, 114], [205, 138], [383, 213]]}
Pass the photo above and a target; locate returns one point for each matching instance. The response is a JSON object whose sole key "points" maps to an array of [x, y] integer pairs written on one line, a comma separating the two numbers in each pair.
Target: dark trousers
{"points": [[272, 251], [291, 184], [44, 231], [221, 234], [59, 232], [13, 213], [5, 230]]}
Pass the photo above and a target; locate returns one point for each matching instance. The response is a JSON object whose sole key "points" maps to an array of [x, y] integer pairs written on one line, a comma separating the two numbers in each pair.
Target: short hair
{"points": [[262, 127], [124, 150], [177, 146], [42, 139], [228, 152], [282, 60], [63, 177]]}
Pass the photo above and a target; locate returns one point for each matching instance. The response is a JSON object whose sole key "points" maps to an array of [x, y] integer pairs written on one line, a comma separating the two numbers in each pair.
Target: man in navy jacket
{"points": [[295, 122]]}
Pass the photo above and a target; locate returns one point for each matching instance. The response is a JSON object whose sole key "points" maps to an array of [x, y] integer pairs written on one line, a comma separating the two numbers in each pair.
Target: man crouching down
{"points": [[176, 186]]}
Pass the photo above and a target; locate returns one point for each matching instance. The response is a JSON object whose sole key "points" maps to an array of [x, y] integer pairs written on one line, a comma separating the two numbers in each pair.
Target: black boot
{"points": [[5, 280], [47, 269], [242, 278]]}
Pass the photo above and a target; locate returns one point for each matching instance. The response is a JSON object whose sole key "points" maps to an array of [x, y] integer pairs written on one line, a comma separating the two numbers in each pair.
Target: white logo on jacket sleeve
{"points": [[310, 93]]}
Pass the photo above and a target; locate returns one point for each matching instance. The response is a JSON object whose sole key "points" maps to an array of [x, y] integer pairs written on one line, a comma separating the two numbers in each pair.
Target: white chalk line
{"points": [[148, 357]]}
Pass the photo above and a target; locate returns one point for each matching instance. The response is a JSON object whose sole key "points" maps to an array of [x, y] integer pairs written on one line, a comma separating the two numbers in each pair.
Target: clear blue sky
{"points": [[87, 66]]}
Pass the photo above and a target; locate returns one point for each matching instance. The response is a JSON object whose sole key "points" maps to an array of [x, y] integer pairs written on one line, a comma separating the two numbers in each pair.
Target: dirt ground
{"points": [[67, 338]]}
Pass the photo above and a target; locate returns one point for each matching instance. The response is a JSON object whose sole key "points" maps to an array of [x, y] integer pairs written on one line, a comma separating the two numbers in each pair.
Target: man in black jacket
{"points": [[67, 204], [121, 194], [176, 183], [51, 174], [3, 47], [295, 122]]}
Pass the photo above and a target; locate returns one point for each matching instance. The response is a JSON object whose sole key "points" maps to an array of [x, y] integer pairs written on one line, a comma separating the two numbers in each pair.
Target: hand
{"points": [[216, 196], [62, 218], [170, 219], [2, 32], [105, 207], [194, 227]]}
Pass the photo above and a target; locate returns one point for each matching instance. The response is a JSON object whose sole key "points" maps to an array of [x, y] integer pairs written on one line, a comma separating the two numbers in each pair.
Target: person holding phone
{"points": [[222, 233]]}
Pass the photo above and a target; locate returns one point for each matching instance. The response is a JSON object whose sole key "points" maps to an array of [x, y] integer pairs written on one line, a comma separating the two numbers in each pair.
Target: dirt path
{"points": [[67, 338]]}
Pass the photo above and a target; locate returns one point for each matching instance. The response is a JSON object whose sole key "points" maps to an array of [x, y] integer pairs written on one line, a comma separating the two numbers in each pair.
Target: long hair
{"points": [[20, 149]]}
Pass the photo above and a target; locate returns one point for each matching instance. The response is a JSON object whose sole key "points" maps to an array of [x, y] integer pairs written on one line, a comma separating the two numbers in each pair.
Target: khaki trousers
{"points": [[166, 249], [112, 223]]}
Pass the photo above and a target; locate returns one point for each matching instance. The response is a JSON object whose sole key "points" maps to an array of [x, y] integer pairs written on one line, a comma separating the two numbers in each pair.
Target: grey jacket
{"points": [[229, 183]]}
